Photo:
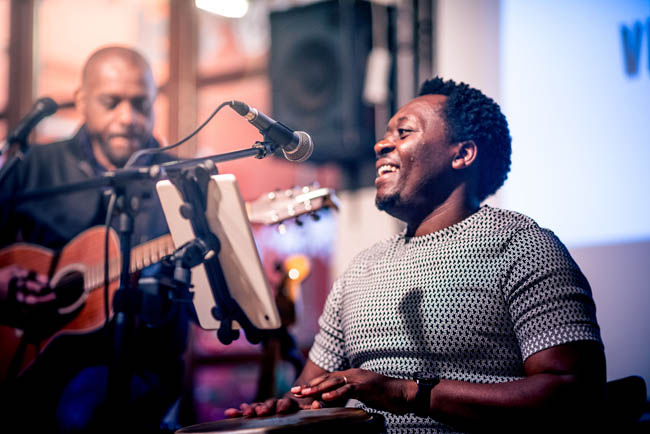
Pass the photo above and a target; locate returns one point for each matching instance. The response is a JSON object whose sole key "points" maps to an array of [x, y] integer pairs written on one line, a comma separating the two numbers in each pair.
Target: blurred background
{"points": [[572, 76]]}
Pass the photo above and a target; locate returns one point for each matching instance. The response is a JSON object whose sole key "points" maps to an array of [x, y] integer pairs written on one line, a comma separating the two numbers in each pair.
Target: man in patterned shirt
{"points": [[473, 318]]}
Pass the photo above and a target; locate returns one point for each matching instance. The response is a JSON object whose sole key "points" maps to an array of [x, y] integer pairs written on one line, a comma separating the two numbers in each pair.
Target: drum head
{"points": [[324, 420]]}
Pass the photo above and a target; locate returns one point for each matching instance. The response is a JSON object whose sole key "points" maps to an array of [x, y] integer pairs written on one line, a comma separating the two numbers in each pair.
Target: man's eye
{"points": [[141, 105], [110, 103], [403, 132]]}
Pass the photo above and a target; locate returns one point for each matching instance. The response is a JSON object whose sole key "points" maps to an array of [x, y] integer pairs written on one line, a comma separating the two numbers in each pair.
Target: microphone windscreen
{"points": [[302, 151], [46, 105]]}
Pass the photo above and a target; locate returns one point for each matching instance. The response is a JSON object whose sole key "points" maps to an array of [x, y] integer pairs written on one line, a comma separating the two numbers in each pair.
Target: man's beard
{"points": [[387, 202], [116, 160], [119, 160]]}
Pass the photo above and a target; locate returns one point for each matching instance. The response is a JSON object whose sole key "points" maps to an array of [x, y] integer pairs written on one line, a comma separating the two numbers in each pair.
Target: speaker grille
{"points": [[317, 66]]}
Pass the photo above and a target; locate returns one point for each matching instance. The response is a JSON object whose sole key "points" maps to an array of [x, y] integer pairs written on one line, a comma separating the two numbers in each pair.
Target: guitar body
{"points": [[77, 277]]}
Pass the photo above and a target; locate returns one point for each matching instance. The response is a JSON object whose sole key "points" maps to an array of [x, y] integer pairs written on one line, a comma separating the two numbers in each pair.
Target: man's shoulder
{"points": [[50, 150], [499, 219], [62, 155], [38, 164], [521, 232], [373, 252]]}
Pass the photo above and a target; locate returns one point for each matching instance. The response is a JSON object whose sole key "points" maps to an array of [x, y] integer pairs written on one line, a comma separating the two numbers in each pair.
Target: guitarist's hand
{"points": [[22, 290]]}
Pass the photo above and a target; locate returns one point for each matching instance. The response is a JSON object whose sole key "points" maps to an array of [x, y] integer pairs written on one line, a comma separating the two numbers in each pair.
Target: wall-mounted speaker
{"points": [[317, 66]]}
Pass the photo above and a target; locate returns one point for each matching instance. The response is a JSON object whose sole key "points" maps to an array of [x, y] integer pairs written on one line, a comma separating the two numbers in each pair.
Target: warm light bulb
{"points": [[225, 8], [294, 274]]}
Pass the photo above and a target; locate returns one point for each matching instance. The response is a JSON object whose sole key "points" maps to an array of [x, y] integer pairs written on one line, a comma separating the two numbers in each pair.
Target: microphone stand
{"points": [[126, 306], [111, 179], [12, 160]]}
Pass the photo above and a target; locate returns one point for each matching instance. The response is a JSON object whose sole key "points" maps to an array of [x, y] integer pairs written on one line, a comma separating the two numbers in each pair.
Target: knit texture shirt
{"points": [[470, 302]]}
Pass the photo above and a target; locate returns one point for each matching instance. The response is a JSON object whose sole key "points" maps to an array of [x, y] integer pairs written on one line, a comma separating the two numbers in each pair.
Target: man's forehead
{"points": [[117, 72], [423, 106], [431, 101]]}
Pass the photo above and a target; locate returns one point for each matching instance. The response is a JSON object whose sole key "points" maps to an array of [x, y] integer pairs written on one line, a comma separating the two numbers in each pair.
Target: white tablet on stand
{"points": [[239, 258]]}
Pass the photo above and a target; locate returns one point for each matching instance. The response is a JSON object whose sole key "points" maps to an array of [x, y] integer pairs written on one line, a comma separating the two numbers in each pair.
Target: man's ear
{"points": [[80, 100], [466, 154]]}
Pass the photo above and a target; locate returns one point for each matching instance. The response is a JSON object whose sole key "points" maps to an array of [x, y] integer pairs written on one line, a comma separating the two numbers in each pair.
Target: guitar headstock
{"points": [[280, 205]]}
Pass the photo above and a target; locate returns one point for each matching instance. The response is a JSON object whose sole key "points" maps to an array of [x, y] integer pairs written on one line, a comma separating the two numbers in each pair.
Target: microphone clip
{"points": [[265, 148]]}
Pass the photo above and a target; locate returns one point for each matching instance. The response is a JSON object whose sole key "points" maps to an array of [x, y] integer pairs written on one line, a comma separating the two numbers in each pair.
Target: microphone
{"points": [[42, 107], [296, 145]]}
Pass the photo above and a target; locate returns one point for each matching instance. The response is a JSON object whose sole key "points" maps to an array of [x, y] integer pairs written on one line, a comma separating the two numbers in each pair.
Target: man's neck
{"points": [[101, 157], [458, 206]]}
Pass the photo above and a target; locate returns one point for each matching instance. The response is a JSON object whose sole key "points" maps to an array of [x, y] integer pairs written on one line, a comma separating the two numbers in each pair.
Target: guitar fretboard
{"points": [[141, 257]]}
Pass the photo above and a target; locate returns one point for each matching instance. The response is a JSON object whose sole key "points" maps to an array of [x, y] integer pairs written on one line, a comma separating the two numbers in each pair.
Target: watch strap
{"points": [[423, 395]]}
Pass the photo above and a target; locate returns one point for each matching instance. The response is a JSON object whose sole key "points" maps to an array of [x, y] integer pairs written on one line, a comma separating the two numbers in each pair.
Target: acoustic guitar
{"points": [[76, 273]]}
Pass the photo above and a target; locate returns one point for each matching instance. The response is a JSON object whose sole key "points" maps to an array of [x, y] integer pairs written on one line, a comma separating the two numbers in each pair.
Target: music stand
{"points": [[238, 257]]}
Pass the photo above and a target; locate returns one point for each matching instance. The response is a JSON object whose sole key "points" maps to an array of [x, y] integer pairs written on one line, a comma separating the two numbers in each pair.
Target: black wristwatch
{"points": [[423, 395]]}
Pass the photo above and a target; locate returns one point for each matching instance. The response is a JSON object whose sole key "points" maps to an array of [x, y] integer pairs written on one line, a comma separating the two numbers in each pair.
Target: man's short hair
{"points": [[127, 54], [470, 115]]}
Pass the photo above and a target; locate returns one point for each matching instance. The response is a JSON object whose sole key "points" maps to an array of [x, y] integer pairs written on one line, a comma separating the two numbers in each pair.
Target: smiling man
{"points": [[474, 318]]}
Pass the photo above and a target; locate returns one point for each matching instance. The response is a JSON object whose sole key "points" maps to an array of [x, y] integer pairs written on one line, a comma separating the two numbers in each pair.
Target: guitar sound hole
{"points": [[69, 289]]}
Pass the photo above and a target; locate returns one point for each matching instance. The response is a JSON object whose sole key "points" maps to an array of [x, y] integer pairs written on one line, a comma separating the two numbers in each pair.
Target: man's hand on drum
{"points": [[286, 404], [289, 403], [374, 390]]}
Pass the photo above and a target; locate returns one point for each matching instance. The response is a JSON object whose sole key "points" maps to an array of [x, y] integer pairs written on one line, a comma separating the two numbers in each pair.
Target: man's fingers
{"points": [[232, 412], [31, 299], [19, 272], [30, 288], [36, 288], [268, 407], [262, 410], [336, 393], [316, 381], [32, 292], [265, 408], [42, 280], [23, 274], [284, 405], [247, 409], [322, 384]]}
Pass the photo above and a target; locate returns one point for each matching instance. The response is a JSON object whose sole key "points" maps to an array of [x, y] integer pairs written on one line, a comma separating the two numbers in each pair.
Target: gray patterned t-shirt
{"points": [[470, 302]]}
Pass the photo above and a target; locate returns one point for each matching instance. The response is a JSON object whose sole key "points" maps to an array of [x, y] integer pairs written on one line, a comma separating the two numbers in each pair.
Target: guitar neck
{"points": [[142, 256], [151, 252]]}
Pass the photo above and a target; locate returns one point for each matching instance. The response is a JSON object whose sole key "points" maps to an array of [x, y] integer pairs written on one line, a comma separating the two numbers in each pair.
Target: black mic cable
{"points": [[137, 154]]}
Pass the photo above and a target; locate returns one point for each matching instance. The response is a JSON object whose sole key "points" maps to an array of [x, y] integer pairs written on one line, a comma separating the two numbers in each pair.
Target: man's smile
{"points": [[386, 168]]}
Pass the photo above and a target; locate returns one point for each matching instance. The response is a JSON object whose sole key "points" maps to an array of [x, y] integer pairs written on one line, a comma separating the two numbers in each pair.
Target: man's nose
{"points": [[383, 146], [126, 114]]}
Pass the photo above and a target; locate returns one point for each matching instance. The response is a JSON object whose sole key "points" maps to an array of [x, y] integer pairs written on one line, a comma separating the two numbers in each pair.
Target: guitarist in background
{"points": [[64, 389]]}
